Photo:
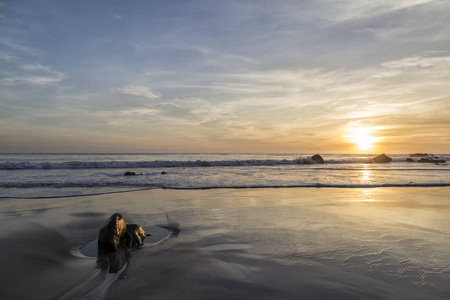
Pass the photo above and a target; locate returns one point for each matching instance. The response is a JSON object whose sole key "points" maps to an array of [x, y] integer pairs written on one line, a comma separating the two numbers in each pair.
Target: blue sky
{"points": [[225, 76]]}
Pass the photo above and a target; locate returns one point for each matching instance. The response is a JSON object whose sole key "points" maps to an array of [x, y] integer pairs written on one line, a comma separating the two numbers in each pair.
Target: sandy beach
{"points": [[297, 243]]}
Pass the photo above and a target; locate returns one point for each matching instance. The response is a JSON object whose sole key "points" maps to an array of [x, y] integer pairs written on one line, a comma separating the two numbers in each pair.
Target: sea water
{"points": [[54, 175]]}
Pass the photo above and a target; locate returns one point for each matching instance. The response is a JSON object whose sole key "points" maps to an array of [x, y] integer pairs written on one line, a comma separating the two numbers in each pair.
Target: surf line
{"points": [[74, 196]]}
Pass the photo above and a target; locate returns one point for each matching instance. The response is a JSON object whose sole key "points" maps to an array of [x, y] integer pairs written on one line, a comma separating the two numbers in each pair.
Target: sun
{"points": [[362, 136], [364, 142]]}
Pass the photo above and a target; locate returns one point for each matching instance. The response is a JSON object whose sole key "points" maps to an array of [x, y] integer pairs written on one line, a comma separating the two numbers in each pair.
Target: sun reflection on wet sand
{"points": [[366, 178], [367, 195]]}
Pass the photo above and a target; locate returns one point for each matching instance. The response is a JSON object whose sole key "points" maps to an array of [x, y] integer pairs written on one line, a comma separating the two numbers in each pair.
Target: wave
{"points": [[69, 184], [203, 187], [314, 185], [75, 195], [173, 164], [142, 164], [317, 185]]}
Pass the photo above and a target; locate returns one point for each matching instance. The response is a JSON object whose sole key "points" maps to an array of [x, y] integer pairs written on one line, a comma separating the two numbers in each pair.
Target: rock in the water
{"points": [[206, 164], [382, 158], [410, 160], [317, 159], [419, 155], [128, 173], [431, 161], [163, 173]]}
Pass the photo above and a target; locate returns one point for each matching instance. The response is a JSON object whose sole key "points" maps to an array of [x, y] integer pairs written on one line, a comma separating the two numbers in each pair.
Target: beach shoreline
{"points": [[377, 243]]}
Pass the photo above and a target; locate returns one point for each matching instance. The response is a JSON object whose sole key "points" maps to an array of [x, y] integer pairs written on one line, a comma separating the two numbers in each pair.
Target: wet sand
{"points": [[299, 243]]}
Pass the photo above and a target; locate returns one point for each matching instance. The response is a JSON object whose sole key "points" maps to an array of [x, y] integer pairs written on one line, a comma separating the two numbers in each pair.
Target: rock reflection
{"points": [[113, 262]]}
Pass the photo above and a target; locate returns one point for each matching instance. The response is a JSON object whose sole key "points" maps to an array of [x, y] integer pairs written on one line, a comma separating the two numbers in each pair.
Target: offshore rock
{"points": [[128, 173], [410, 160], [419, 155], [206, 164], [317, 159], [382, 158], [431, 161]]}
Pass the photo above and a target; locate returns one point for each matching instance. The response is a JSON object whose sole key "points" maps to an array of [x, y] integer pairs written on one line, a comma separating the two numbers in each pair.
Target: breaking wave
{"points": [[170, 164], [140, 164]]}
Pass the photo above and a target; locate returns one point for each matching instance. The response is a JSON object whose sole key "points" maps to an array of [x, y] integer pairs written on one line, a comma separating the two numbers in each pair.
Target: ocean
{"points": [[63, 175]]}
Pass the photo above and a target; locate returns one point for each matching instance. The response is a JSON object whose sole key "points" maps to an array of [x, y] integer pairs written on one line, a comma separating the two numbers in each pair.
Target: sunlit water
{"points": [[42, 175]]}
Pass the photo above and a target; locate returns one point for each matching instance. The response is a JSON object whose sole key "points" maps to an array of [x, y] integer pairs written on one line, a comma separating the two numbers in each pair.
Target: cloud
{"points": [[18, 46], [294, 99], [420, 62], [30, 74], [36, 67], [138, 90], [215, 57], [35, 80], [7, 57], [345, 10]]}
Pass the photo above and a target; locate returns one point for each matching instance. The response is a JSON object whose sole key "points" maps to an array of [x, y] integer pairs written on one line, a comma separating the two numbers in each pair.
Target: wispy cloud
{"points": [[345, 10], [37, 80], [439, 64], [138, 90], [7, 57], [17, 46], [36, 67], [25, 74]]}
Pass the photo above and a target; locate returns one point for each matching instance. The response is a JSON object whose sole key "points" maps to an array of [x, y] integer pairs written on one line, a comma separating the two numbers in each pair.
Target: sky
{"points": [[304, 76]]}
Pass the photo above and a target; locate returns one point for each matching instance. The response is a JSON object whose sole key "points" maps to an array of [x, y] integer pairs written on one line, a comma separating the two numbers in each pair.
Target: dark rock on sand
{"points": [[382, 158], [134, 235], [317, 159], [110, 235], [410, 160], [116, 233], [128, 173]]}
